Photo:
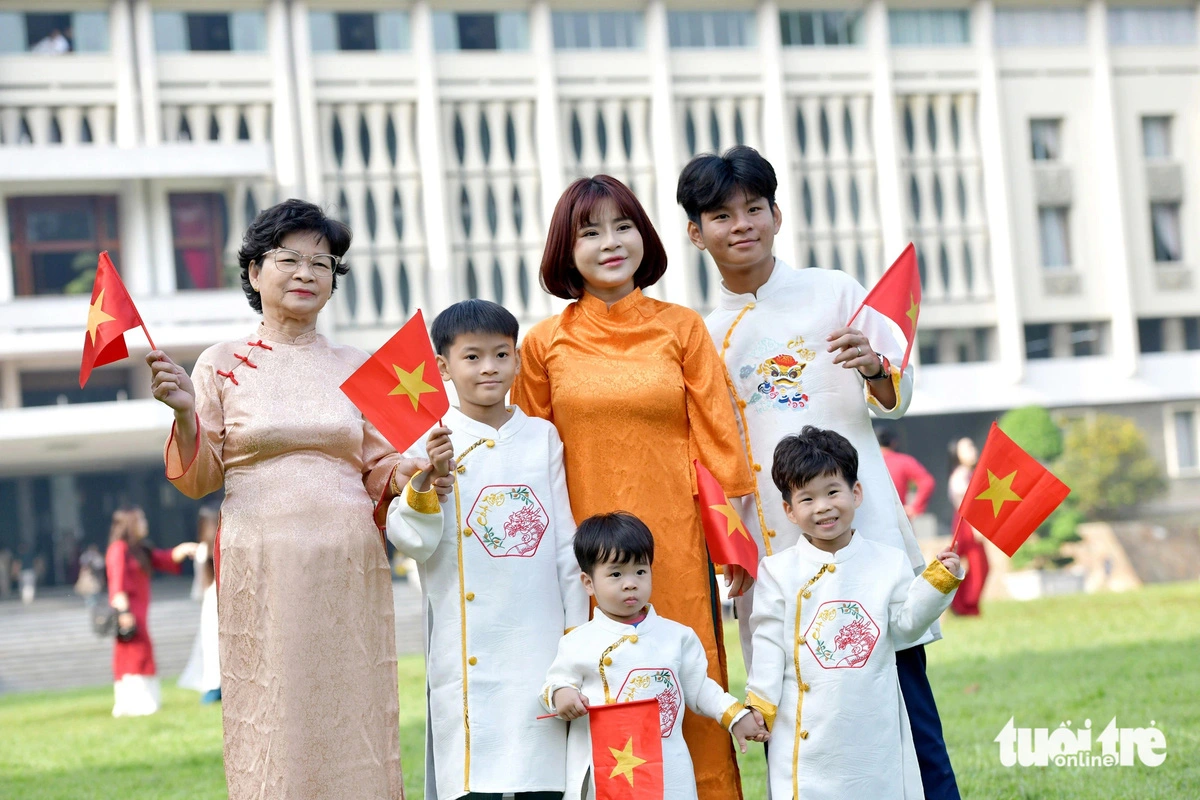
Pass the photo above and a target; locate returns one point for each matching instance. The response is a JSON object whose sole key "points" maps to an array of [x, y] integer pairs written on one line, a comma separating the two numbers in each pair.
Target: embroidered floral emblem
{"points": [[642, 684], [842, 635], [509, 521], [778, 374]]}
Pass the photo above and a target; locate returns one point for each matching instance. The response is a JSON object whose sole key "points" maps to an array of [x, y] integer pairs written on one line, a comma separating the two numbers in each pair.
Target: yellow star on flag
{"points": [[999, 491], [96, 316], [412, 384], [913, 310], [733, 523], [627, 762]]}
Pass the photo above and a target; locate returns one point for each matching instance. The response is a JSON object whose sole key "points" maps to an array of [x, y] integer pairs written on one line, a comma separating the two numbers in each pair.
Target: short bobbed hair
{"points": [[272, 224], [811, 454], [618, 536], [576, 207]]}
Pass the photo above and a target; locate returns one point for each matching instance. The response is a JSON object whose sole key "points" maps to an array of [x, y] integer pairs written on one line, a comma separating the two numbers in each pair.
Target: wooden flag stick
{"points": [[148, 339], [954, 538]]}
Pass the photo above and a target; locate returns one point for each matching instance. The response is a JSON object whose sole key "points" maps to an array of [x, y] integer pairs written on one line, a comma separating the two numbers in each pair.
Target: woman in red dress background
{"points": [[129, 562], [963, 457]]}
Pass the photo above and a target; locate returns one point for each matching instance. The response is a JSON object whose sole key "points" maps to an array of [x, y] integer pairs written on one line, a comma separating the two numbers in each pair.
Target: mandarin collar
{"points": [[279, 337], [594, 305], [736, 302], [808, 552], [605, 622], [461, 423]]}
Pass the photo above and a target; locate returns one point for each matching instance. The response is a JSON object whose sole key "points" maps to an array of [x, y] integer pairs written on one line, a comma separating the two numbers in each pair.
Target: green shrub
{"points": [[1032, 428], [1106, 463]]}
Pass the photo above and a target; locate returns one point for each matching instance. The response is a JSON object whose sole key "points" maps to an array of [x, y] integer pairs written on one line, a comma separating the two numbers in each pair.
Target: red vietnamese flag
{"points": [[627, 760], [398, 388], [728, 539], [897, 296], [110, 314], [1011, 494]]}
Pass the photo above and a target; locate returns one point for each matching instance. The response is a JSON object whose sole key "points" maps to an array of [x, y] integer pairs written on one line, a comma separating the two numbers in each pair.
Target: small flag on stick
{"points": [[110, 314], [728, 539], [627, 760], [1010, 494], [398, 388], [897, 296]]}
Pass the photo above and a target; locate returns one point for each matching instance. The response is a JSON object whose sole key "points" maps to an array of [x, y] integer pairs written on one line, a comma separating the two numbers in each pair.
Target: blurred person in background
{"points": [[6, 565], [131, 559], [906, 472], [963, 457], [203, 670]]}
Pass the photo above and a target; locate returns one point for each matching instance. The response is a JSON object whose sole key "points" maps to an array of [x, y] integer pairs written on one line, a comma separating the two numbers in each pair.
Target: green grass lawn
{"points": [[1133, 656]]}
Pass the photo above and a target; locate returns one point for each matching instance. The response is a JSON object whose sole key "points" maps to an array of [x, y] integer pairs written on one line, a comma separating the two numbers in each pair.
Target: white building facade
{"points": [[1042, 157]]}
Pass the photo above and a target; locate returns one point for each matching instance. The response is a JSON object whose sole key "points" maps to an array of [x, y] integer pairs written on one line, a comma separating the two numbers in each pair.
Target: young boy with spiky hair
{"points": [[828, 614], [497, 569], [791, 360]]}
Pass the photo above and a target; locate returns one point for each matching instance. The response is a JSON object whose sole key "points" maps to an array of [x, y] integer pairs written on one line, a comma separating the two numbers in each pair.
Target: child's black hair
{"points": [[810, 454], [472, 316], [619, 536], [709, 180]]}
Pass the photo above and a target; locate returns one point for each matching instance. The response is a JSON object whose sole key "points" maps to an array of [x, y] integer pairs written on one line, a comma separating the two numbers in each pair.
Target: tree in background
{"points": [[1034, 430]]}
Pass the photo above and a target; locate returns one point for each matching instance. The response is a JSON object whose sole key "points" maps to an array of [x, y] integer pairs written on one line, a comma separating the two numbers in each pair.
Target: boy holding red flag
{"points": [[791, 360], [629, 653], [498, 574], [830, 612]]}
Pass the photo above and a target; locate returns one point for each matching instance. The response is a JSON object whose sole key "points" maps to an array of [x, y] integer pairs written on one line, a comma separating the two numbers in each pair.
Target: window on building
{"points": [[507, 30], [56, 33], [1164, 228], [821, 28], [711, 28], [239, 31], [1156, 137], [597, 30], [199, 229], [929, 27], [1150, 335], [62, 387], [1087, 338], [1152, 26], [1054, 235], [1186, 455], [1045, 135], [56, 240], [1040, 27], [331, 31], [1191, 333], [1038, 341]]}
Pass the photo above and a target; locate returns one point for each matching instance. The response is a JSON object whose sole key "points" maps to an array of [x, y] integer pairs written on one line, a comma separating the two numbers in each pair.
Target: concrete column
{"points": [[883, 131], [26, 520], [775, 129], [160, 243], [1010, 332], [66, 521], [284, 122], [668, 217], [120, 33], [10, 385], [549, 141], [1110, 227], [7, 279], [143, 27], [429, 151], [306, 103], [137, 262]]}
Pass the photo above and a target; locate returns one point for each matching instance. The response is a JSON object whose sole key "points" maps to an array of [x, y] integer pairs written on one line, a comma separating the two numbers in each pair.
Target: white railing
{"points": [[47, 100]]}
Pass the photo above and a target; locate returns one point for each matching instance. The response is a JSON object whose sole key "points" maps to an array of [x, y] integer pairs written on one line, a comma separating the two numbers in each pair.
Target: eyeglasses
{"points": [[321, 264]]}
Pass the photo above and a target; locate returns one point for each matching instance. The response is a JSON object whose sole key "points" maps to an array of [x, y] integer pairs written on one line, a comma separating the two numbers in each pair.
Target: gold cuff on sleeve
{"points": [[767, 709], [421, 502], [940, 578], [730, 713], [897, 376]]}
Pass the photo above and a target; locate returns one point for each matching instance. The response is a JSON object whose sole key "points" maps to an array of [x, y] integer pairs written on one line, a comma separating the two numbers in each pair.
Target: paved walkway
{"points": [[50, 644]]}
